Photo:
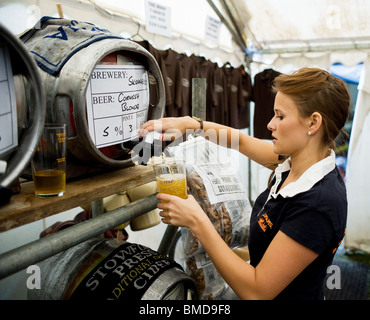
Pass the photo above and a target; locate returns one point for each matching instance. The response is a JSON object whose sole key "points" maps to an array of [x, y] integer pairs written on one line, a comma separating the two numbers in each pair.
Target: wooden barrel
{"points": [[23, 85], [100, 269], [91, 112]]}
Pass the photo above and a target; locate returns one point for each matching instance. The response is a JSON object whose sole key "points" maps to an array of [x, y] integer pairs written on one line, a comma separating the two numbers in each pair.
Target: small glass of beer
{"points": [[49, 162], [171, 178]]}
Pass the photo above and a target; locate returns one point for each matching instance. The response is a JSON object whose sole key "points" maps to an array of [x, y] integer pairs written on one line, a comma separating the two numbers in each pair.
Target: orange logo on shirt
{"points": [[265, 222], [335, 249]]}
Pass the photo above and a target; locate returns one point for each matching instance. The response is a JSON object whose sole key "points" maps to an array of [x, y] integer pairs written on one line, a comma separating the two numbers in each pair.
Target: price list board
{"points": [[117, 102], [8, 108]]}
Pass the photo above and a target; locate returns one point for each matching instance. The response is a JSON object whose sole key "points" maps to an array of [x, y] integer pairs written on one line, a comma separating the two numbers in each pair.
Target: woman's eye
{"points": [[279, 117]]}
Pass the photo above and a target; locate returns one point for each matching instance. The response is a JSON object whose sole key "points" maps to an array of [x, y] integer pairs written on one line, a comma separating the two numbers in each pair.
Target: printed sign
{"points": [[158, 18], [8, 107], [125, 274], [117, 102], [212, 29], [221, 182]]}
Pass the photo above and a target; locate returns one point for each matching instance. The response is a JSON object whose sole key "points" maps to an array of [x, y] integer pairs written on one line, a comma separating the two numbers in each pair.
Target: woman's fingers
{"points": [[172, 128], [170, 208], [164, 197], [177, 211], [147, 127]]}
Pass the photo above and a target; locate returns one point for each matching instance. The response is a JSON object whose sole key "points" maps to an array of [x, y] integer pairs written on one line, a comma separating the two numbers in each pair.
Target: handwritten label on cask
{"points": [[117, 102]]}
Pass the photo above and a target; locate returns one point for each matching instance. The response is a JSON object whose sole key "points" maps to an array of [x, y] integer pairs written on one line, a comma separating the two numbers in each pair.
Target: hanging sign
{"points": [[158, 18], [212, 29], [8, 107], [117, 102]]}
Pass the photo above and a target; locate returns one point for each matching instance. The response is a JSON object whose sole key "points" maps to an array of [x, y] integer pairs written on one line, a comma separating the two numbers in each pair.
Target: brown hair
{"points": [[316, 90]]}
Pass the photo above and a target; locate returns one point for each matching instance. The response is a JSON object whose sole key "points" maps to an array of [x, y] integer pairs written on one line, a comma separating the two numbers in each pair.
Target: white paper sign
{"points": [[8, 107], [212, 29], [117, 102], [158, 18], [221, 182]]}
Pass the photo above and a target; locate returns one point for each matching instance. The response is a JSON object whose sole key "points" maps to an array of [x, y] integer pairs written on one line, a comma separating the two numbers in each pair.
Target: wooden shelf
{"points": [[25, 207]]}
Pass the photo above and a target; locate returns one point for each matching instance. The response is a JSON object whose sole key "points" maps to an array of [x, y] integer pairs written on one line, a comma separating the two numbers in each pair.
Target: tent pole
{"points": [[309, 47], [231, 17], [239, 40]]}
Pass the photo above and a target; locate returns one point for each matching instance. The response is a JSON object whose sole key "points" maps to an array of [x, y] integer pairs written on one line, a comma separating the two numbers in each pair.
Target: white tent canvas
{"points": [[358, 177]]}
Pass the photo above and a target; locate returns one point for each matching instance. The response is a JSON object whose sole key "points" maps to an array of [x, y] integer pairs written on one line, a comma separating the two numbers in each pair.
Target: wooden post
{"points": [[199, 86], [60, 10]]}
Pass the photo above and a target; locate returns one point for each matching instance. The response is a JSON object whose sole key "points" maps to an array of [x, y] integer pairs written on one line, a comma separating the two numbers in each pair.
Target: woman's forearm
{"points": [[237, 273], [188, 213], [260, 151]]}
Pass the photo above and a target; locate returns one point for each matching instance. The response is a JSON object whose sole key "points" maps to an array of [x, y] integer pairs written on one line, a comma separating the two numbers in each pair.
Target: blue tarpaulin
{"points": [[350, 74]]}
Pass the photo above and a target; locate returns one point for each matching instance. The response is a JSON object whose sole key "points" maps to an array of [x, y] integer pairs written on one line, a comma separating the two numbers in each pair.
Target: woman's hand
{"points": [[171, 128], [180, 212]]}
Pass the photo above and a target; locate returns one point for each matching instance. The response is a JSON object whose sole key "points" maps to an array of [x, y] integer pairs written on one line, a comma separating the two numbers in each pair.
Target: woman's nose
{"points": [[270, 125]]}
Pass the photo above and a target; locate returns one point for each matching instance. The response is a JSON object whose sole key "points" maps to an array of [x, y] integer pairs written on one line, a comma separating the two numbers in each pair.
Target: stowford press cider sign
{"points": [[126, 273], [117, 102]]}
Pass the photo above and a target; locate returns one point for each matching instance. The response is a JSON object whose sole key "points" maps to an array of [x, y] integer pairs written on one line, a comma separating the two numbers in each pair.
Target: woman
{"points": [[299, 221]]}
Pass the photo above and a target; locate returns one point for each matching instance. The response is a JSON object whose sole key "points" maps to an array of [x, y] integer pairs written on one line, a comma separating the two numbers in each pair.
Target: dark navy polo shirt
{"points": [[315, 218]]}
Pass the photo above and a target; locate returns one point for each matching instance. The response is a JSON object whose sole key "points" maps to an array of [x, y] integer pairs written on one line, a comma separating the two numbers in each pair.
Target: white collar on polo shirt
{"points": [[306, 181]]}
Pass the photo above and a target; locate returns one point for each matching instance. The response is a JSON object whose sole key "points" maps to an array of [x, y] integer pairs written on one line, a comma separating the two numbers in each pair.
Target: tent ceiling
{"points": [[249, 26], [282, 25]]}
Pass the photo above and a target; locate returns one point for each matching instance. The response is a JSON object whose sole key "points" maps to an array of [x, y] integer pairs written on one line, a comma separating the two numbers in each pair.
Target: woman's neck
{"points": [[302, 161]]}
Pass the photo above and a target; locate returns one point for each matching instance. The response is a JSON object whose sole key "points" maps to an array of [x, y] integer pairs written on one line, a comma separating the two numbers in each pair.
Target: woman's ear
{"points": [[315, 122]]}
